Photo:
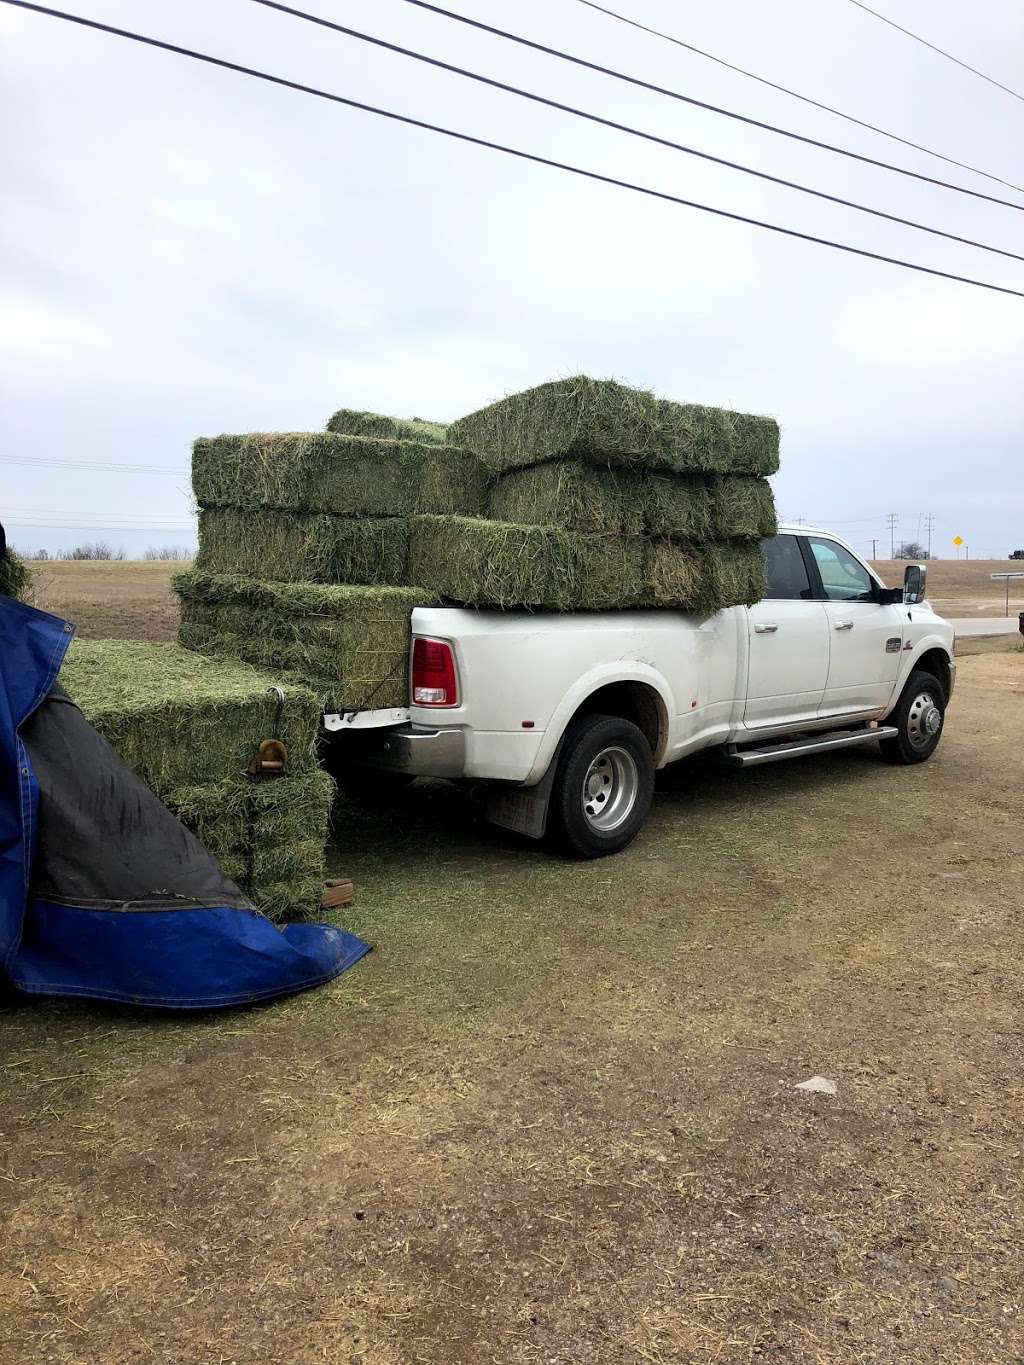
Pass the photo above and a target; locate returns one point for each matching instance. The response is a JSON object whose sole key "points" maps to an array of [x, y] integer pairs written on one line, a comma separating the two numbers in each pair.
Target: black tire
{"points": [[603, 787], [919, 717]]}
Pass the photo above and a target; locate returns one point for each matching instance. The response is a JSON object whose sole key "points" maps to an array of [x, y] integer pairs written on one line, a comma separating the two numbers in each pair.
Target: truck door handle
{"points": [[844, 625], [765, 628]]}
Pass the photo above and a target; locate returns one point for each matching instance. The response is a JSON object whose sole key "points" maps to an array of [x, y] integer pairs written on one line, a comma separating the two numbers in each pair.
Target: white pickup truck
{"points": [[566, 717]]}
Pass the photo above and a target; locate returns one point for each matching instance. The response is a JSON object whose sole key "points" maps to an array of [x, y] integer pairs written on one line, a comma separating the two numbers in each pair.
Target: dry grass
{"points": [[963, 587], [552, 1118], [110, 601]]}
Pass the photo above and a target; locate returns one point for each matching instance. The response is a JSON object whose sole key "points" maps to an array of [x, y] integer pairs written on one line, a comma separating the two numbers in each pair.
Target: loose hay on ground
{"points": [[349, 644], [607, 423], [179, 719], [348, 475], [303, 547]]}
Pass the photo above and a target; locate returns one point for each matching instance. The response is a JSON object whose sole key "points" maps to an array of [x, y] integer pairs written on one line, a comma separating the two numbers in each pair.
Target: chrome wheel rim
{"points": [[610, 789], [924, 720]]}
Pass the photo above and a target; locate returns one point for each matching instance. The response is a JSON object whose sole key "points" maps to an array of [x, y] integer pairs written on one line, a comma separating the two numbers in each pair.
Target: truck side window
{"points": [[844, 578], [787, 573]]}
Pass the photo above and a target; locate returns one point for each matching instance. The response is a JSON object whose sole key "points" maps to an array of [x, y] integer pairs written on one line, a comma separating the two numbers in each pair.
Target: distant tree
{"points": [[174, 554], [910, 549], [40, 556], [98, 549]]}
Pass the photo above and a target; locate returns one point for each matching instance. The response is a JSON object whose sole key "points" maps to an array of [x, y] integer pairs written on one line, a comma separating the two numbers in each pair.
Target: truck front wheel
{"points": [[918, 718], [603, 787]]}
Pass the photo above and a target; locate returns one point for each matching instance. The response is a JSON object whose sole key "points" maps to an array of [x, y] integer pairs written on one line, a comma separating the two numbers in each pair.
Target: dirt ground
{"points": [[552, 1117], [964, 587]]}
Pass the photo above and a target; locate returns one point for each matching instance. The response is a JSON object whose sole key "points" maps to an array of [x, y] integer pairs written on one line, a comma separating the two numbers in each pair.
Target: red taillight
{"points": [[434, 682]]}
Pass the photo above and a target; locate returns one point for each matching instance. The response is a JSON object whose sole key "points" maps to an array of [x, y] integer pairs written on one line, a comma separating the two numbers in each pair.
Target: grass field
{"points": [[964, 587], [552, 1117], [108, 600]]}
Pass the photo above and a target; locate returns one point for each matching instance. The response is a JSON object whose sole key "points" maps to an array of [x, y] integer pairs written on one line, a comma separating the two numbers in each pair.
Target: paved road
{"points": [[985, 625]]}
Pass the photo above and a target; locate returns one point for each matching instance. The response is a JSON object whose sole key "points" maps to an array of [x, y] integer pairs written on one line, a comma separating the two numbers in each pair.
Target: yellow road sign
{"points": [[958, 541]]}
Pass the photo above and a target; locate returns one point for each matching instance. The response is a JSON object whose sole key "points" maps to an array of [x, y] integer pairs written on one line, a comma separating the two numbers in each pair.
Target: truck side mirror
{"points": [[915, 579]]}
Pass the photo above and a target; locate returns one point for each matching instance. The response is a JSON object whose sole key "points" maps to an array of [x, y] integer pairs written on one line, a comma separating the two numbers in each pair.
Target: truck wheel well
{"points": [[936, 662], [633, 701]]}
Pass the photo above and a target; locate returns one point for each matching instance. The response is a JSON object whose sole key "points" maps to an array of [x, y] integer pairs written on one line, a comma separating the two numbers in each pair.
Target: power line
{"points": [[35, 514], [783, 89], [624, 127], [930, 527], [505, 150], [104, 466], [892, 521], [699, 104], [90, 526], [940, 50]]}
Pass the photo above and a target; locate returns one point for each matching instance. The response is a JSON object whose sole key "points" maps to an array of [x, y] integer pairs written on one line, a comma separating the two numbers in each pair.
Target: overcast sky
{"points": [[185, 251]]}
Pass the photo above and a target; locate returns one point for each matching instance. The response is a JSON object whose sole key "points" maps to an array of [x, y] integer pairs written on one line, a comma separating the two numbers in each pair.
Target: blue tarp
{"points": [[103, 894]]}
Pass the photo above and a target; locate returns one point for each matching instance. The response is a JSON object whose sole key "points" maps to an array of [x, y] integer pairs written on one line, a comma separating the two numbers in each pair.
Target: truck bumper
{"points": [[416, 750]]}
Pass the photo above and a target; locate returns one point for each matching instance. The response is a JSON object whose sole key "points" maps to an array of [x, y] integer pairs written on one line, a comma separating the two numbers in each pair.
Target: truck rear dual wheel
{"points": [[919, 717], [603, 787]]}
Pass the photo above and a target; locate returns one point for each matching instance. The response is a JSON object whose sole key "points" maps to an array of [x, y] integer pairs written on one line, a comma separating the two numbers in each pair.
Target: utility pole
{"points": [[874, 548], [929, 523], [892, 518]]}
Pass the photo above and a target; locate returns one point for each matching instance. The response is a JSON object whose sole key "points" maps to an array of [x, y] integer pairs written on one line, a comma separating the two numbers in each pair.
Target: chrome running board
{"points": [[752, 756]]}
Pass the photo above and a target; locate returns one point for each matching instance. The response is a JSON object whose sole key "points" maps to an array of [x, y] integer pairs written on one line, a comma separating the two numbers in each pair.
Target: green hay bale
{"points": [[177, 718], [349, 422], [734, 574], [500, 564], [14, 575], [757, 445], [705, 578], [303, 548], [676, 576], [607, 423], [293, 899], [351, 476], [238, 813], [570, 494], [349, 644], [235, 867], [677, 507], [497, 564], [268, 834], [287, 862], [742, 508]]}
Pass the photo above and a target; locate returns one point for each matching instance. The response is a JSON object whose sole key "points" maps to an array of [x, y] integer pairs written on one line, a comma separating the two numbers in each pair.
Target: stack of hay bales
{"points": [[190, 727], [604, 497], [304, 548]]}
